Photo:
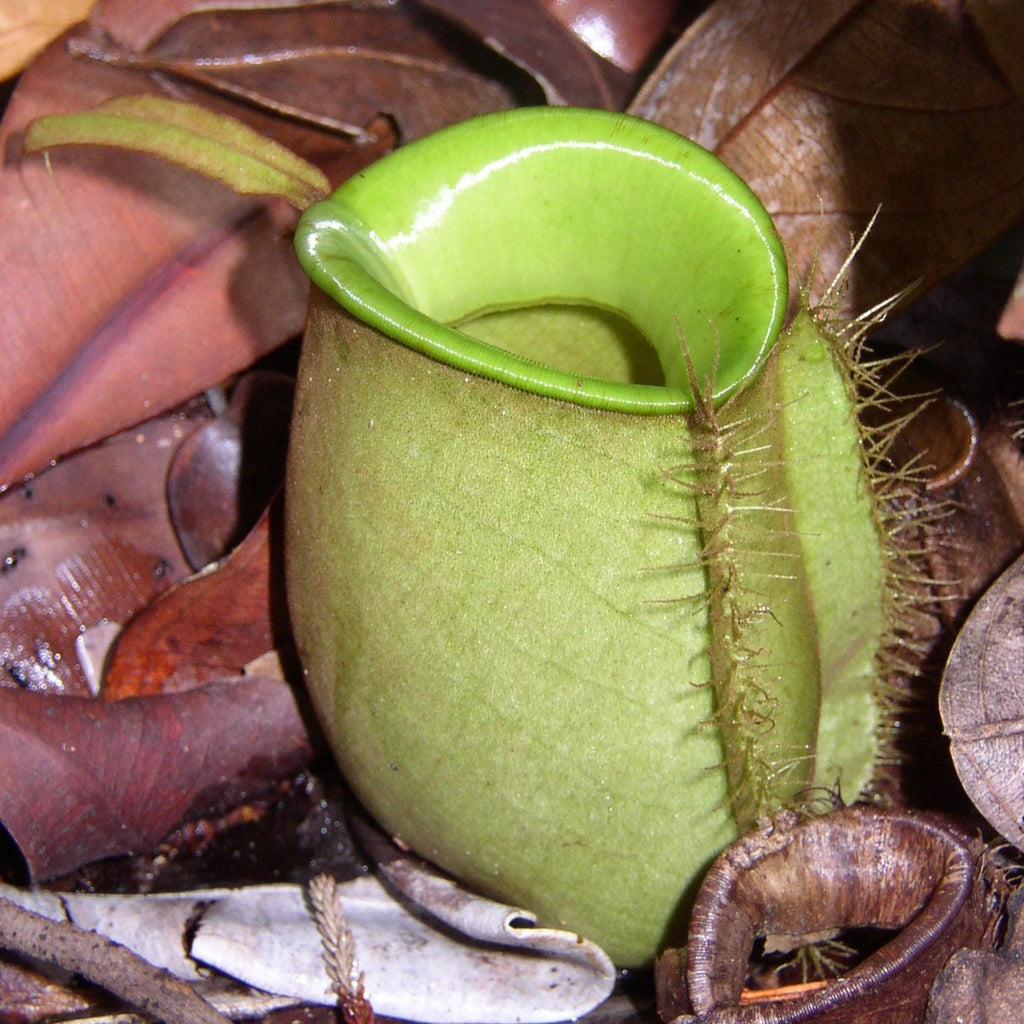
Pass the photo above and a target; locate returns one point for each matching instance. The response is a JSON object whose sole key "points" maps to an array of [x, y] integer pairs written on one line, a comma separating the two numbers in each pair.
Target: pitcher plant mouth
{"points": [[555, 207]]}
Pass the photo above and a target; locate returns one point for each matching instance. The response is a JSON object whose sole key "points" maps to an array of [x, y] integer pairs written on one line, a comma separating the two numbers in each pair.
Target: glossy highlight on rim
{"points": [[363, 266]]}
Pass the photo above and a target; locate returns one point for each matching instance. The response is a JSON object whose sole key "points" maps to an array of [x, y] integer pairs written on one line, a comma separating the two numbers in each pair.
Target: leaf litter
{"points": [[822, 142]]}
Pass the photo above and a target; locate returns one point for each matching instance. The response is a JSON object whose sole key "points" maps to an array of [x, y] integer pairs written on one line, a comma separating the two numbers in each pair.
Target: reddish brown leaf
{"points": [[526, 33], [87, 542], [1001, 24], [336, 65], [224, 474], [207, 627], [625, 34], [81, 779], [28, 995], [118, 273], [833, 110], [137, 25], [170, 261]]}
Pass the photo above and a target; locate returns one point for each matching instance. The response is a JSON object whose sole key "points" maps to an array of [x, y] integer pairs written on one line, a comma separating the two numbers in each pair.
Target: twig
{"points": [[105, 963]]}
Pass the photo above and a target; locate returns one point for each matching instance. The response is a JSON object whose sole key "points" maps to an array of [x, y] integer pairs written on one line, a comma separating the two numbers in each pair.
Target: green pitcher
{"points": [[584, 576]]}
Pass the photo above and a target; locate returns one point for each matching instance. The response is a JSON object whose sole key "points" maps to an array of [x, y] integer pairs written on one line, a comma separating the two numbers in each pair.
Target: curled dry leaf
{"points": [[85, 543], [982, 530], [980, 494], [223, 475], [831, 111], [81, 779], [982, 704], [917, 879], [963, 456]]}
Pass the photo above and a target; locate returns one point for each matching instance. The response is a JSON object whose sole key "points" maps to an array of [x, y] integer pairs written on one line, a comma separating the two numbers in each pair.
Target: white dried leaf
{"points": [[505, 970]]}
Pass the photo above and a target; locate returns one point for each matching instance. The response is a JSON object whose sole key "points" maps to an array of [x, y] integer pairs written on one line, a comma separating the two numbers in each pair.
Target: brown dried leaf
{"points": [[984, 529], [334, 65], [118, 272], [729, 60], [29, 995], [526, 33], [1001, 24], [918, 879], [26, 28], [87, 542], [982, 704], [831, 111], [81, 779], [224, 474], [982, 987], [625, 34], [136, 25], [210, 626], [174, 261]]}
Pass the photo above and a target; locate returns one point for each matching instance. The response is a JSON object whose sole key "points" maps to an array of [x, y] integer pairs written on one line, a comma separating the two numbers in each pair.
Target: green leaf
{"points": [[214, 145]]}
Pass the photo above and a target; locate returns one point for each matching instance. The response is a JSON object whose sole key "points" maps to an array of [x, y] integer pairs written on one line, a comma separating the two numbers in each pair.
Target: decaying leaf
{"points": [[82, 779], [26, 994], [528, 34], [333, 65], [918, 881], [847, 108], [223, 475], [119, 272], [1001, 25], [981, 987], [88, 542], [137, 25], [625, 34], [175, 261], [26, 28], [209, 626], [492, 965], [982, 704], [983, 530], [729, 60]]}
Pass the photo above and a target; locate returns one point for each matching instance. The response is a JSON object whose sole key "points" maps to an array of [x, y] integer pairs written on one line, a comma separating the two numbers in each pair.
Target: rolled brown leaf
{"points": [[796, 881]]}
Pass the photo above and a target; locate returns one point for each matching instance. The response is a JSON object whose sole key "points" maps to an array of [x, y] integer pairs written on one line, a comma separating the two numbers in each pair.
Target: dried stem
{"points": [[121, 972]]}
